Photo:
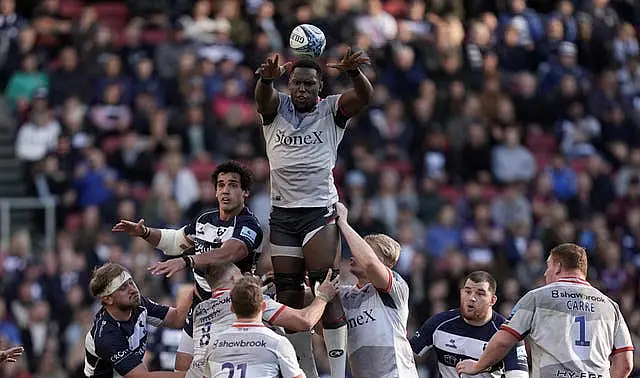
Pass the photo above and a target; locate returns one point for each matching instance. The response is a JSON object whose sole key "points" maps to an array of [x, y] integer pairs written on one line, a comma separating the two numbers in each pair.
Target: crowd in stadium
{"points": [[498, 129]]}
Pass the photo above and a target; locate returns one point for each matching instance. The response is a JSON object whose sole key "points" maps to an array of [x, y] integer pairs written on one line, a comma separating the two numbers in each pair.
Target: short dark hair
{"points": [[246, 297], [307, 63], [480, 276], [571, 257], [246, 177]]}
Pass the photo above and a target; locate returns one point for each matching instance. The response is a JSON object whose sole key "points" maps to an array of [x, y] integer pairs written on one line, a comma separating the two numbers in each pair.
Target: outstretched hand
{"points": [[350, 61], [11, 354], [131, 228], [271, 69], [167, 268]]}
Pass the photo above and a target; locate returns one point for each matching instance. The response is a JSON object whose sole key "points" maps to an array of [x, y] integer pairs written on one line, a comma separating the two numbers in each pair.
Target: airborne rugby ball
{"points": [[307, 40]]}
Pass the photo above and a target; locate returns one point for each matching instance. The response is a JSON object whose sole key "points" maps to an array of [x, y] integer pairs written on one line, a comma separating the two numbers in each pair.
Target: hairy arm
{"points": [[621, 364], [301, 320]]}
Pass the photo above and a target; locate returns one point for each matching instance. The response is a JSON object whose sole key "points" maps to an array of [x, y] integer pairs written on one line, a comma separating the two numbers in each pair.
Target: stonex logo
{"points": [[364, 318], [298, 140]]}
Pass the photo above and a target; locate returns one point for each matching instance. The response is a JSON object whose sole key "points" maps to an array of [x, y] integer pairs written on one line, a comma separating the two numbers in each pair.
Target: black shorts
{"points": [[294, 227]]}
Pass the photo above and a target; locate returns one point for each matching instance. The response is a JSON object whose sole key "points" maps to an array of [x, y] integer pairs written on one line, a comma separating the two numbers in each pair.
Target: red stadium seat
{"points": [[541, 143], [450, 193], [110, 145], [579, 165], [140, 193], [202, 169], [154, 36], [542, 160], [71, 8], [73, 222]]}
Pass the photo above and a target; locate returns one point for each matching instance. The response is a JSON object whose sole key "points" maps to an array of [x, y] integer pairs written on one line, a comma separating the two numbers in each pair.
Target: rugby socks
{"points": [[301, 342], [336, 341]]}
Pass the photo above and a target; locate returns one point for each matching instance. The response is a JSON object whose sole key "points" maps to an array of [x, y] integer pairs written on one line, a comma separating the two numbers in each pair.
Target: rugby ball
{"points": [[307, 40]]}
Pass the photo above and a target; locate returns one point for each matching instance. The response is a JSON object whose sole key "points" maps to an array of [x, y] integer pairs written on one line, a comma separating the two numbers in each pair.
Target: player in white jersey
{"points": [[573, 329], [229, 233], [463, 333], [215, 315], [249, 347], [377, 307], [302, 134]]}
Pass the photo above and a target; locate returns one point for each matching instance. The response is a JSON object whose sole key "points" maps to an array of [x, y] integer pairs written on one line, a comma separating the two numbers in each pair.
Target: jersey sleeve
{"points": [[516, 359], [521, 318], [422, 340], [112, 346], [272, 309], [397, 289], [284, 105], [155, 311], [287, 360], [248, 231], [621, 337], [340, 117]]}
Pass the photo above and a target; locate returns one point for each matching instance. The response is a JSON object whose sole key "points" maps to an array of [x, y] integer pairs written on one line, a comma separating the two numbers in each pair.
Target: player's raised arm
{"points": [[355, 99], [378, 273], [306, 318], [266, 96], [170, 242]]}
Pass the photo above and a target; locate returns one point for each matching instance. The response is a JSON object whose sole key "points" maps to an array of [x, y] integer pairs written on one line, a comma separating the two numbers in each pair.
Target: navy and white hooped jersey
{"points": [[455, 340], [208, 232], [302, 151], [113, 348]]}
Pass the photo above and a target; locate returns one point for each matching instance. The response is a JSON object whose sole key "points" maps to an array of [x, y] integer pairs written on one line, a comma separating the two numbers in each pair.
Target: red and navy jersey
{"points": [[113, 348]]}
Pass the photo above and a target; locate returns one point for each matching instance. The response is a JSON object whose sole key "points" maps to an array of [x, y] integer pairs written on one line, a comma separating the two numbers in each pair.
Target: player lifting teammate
{"points": [[302, 134], [229, 233]]}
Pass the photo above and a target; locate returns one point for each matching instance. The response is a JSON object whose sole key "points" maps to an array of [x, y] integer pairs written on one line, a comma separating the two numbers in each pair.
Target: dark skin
{"points": [[305, 84]]}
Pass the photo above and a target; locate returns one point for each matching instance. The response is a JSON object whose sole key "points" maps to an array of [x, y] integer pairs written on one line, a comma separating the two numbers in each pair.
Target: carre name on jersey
{"points": [[281, 137]]}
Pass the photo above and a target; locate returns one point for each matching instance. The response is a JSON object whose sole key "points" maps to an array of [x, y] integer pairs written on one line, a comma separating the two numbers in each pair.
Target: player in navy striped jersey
{"points": [[463, 333], [116, 344], [229, 233]]}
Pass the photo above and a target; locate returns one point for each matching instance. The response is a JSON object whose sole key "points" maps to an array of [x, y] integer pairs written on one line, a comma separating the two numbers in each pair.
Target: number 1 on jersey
{"points": [[582, 323]]}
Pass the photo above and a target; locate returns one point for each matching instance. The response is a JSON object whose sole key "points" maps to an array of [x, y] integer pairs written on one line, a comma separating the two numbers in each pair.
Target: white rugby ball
{"points": [[307, 40]]}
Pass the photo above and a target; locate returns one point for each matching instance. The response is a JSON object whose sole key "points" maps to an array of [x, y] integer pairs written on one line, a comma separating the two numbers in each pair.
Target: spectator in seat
{"points": [[112, 115], [179, 180], [69, 72], [551, 71], [511, 207], [510, 161], [578, 132], [37, 137], [94, 181], [132, 160], [24, 82], [444, 234]]}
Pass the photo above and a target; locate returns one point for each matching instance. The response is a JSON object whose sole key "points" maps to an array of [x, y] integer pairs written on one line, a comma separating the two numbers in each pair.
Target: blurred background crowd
{"points": [[499, 128]]}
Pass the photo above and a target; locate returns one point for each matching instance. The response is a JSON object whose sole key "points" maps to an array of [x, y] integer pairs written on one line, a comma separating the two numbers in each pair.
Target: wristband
{"points": [[147, 232], [266, 81], [188, 260], [354, 73], [323, 296]]}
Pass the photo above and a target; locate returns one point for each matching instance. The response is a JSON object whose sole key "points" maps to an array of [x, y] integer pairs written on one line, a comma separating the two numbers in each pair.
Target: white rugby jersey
{"points": [[377, 329], [212, 317], [251, 350], [572, 329], [302, 151]]}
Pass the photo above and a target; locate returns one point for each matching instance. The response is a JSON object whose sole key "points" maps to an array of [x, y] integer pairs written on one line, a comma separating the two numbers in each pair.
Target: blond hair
{"points": [[103, 275], [385, 247]]}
